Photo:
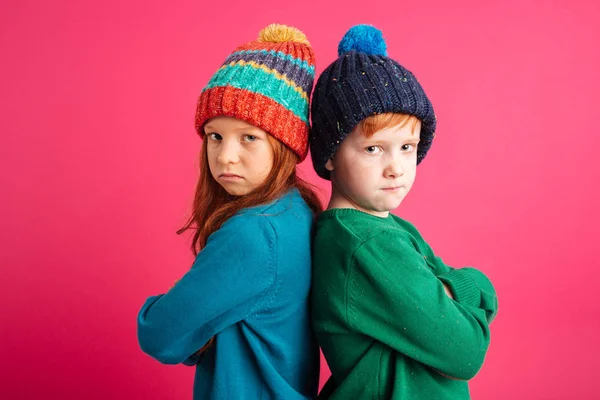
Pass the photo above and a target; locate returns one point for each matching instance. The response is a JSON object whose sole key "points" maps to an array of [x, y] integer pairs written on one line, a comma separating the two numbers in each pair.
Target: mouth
{"points": [[230, 177], [391, 188]]}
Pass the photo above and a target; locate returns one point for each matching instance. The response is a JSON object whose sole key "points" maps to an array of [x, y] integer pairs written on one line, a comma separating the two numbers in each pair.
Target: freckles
{"points": [[354, 165], [358, 161], [371, 161], [362, 167]]}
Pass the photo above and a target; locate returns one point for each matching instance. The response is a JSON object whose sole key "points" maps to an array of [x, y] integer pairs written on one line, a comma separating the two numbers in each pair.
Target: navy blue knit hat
{"points": [[363, 81]]}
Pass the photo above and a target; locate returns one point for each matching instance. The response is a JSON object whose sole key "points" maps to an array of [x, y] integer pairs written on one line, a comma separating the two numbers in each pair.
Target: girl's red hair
{"points": [[213, 205]]}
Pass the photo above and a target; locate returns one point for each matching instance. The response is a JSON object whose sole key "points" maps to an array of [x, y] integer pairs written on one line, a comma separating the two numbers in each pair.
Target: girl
{"points": [[240, 315]]}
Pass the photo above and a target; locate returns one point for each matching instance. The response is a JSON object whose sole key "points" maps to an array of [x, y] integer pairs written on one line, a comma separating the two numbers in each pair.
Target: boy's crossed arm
{"points": [[459, 282], [394, 297]]}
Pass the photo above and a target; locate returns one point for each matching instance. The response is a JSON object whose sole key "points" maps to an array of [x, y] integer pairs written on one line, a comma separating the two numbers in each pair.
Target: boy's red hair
{"points": [[377, 122]]}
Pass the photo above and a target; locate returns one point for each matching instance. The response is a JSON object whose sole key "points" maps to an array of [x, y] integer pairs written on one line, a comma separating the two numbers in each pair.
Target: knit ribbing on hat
{"points": [[362, 82], [268, 83]]}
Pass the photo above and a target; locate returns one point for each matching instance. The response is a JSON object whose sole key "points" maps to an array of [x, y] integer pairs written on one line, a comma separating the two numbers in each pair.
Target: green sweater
{"points": [[385, 325]]}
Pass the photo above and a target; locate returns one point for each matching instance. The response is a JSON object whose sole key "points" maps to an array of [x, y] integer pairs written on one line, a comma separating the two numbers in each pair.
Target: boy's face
{"points": [[374, 174]]}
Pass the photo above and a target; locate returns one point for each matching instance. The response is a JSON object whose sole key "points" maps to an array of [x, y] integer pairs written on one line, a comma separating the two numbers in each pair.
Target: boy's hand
{"points": [[448, 291], [446, 376]]}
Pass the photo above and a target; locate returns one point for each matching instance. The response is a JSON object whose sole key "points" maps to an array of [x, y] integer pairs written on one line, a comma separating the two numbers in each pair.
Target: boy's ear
{"points": [[329, 165]]}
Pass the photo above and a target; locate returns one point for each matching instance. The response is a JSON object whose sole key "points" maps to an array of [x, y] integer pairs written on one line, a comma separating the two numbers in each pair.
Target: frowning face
{"points": [[374, 174], [240, 156]]}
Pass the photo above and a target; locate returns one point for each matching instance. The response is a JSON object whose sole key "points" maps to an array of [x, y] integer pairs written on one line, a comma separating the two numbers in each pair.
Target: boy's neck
{"points": [[338, 200]]}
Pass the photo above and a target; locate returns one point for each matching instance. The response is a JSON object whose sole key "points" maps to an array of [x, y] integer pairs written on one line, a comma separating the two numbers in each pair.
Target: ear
{"points": [[329, 165]]}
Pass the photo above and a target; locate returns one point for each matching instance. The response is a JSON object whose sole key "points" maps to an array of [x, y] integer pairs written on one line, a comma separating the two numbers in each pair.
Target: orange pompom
{"points": [[276, 33]]}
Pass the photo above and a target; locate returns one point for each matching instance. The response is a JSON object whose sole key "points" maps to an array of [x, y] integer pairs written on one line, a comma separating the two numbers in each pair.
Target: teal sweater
{"points": [[249, 288], [382, 318]]}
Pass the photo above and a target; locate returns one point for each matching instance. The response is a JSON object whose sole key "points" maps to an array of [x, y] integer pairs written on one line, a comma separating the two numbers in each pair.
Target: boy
{"points": [[393, 321]]}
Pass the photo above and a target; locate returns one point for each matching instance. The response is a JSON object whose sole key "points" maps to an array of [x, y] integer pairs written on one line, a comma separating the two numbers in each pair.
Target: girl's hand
{"points": [[174, 283]]}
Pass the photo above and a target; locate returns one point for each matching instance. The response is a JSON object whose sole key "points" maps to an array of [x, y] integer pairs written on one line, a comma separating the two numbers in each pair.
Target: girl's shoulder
{"points": [[273, 224], [290, 205], [289, 213]]}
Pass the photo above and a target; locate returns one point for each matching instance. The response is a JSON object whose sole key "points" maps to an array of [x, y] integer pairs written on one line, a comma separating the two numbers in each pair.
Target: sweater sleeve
{"points": [[468, 285], [231, 278], [462, 281], [394, 297]]}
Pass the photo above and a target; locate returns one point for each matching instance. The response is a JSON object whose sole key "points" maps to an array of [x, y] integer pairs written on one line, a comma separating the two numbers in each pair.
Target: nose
{"points": [[228, 152], [393, 168]]}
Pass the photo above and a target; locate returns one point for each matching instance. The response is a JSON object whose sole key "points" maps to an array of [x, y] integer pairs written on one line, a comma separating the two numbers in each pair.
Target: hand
{"points": [[174, 283], [446, 376], [448, 291], [206, 346]]}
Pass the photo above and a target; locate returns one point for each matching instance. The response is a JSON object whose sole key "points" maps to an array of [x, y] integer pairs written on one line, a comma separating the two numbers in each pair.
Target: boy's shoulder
{"points": [[405, 225], [353, 228]]}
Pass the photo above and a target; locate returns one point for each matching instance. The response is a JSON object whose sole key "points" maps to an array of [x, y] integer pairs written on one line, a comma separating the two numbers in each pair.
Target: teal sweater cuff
{"points": [[463, 286]]}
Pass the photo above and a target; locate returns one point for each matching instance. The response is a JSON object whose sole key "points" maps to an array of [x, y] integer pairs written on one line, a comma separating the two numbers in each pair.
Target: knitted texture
{"points": [[363, 82], [382, 317], [267, 83]]}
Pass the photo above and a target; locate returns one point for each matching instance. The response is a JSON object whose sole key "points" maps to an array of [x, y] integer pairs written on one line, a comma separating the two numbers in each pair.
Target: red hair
{"points": [[213, 205], [374, 123]]}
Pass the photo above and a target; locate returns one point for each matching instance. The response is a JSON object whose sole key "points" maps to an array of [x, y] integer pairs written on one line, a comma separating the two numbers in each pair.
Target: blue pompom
{"points": [[363, 39]]}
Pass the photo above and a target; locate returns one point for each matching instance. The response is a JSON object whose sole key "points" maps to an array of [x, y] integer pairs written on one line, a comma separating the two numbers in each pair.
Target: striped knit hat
{"points": [[364, 81], [266, 83]]}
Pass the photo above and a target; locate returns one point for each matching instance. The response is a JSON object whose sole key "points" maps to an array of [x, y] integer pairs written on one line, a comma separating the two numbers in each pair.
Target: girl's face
{"points": [[240, 156]]}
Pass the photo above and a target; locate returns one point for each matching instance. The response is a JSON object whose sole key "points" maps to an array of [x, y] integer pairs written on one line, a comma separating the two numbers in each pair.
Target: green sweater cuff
{"points": [[463, 286]]}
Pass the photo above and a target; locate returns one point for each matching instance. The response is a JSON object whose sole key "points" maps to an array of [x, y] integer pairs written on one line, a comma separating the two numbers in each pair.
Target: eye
{"points": [[408, 147], [373, 149], [214, 136], [250, 138]]}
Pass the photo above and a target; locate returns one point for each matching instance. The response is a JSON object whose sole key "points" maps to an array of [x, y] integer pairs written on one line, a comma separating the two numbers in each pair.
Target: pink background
{"points": [[98, 164]]}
